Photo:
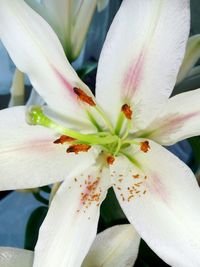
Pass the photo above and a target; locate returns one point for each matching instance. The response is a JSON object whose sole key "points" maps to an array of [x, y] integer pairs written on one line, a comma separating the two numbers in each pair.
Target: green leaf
{"points": [[32, 229], [86, 69], [195, 144], [40, 198]]}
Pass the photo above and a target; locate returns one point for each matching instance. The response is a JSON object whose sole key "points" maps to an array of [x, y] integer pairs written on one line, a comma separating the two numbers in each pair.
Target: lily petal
{"points": [[28, 156], [141, 57], [116, 246], [179, 119], [71, 223], [36, 50], [191, 57], [17, 89], [82, 21], [161, 198], [13, 257], [59, 17]]}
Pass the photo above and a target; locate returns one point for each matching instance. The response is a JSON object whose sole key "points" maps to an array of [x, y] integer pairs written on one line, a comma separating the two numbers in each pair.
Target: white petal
{"points": [[13, 257], [116, 246], [141, 57], [28, 156], [17, 89], [83, 18], [71, 223], [179, 119], [36, 50], [191, 57], [35, 99], [59, 16], [161, 199]]}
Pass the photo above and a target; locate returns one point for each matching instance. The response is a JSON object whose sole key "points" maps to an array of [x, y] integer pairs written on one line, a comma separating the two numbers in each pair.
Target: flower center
{"points": [[112, 140]]}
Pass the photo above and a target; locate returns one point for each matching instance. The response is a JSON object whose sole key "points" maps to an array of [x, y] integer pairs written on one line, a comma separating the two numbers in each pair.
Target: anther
{"points": [[144, 146], [110, 160], [84, 97], [78, 148], [64, 139], [126, 109]]}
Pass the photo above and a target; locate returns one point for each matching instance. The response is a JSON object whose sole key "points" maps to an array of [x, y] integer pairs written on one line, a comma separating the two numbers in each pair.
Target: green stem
{"points": [[40, 198], [119, 124], [108, 123], [128, 127], [94, 122], [131, 159], [36, 116]]}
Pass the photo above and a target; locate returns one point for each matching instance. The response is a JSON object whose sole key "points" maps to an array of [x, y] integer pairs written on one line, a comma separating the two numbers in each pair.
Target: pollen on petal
{"points": [[78, 148], [64, 139], [84, 97], [126, 109], [110, 160], [144, 146]]}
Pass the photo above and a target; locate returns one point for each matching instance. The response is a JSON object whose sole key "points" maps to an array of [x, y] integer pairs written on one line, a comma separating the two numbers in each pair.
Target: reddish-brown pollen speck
{"points": [[82, 96], [129, 198], [136, 176], [78, 148], [126, 109], [64, 139], [144, 146], [110, 160], [92, 186]]}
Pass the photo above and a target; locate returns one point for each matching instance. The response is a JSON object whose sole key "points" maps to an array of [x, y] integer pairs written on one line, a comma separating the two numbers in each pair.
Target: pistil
{"points": [[35, 116]]}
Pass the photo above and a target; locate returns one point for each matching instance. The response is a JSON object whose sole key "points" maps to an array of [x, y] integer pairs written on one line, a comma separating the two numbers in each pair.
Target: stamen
{"points": [[126, 109], [144, 146], [78, 148], [64, 139], [84, 97], [110, 160]]}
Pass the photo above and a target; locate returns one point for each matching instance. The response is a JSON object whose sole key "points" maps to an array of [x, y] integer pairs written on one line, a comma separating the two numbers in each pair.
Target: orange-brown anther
{"points": [[84, 97], [78, 148], [64, 139], [126, 109], [110, 160], [144, 146]]}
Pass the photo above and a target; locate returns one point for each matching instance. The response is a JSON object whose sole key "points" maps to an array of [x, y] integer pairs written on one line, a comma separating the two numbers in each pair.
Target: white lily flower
{"points": [[17, 89], [116, 132], [191, 57], [116, 246], [15, 257], [69, 19]]}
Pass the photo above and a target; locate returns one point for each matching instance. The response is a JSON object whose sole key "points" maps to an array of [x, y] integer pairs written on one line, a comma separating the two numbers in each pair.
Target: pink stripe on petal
{"points": [[156, 188], [177, 121], [133, 77], [67, 85]]}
